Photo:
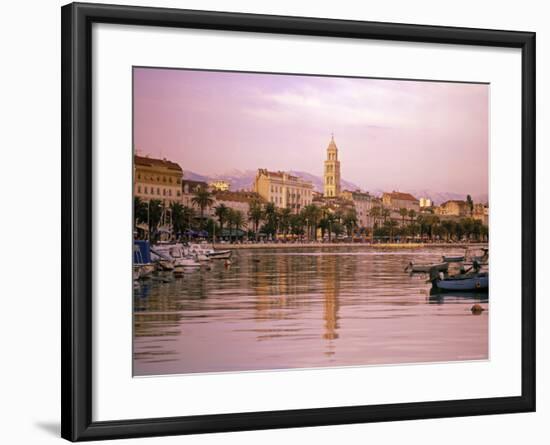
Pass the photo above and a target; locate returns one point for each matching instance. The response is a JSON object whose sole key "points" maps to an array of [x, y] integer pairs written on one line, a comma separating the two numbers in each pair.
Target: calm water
{"points": [[303, 308]]}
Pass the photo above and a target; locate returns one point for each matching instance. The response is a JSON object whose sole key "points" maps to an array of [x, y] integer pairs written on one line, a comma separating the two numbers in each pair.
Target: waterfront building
{"points": [[399, 200], [157, 179], [220, 185], [453, 207], [283, 189], [363, 203], [235, 200], [189, 188], [425, 202], [332, 171], [481, 213]]}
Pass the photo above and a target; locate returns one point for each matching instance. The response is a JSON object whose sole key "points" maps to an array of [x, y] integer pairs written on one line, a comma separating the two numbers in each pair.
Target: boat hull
{"points": [[220, 255], [426, 268], [480, 283]]}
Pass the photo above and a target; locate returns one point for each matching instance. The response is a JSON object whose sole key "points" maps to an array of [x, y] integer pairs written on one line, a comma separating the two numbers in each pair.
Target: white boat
{"points": [[163, 261], [204, 249]]}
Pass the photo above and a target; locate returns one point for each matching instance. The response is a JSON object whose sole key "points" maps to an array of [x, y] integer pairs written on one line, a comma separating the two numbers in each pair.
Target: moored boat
{"points": [[426, 268], [477, 281], [205, 250], [453, 259], [143, 267]]}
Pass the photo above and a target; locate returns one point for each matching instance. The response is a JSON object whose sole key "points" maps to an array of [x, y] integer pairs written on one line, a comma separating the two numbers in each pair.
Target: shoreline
{"points": [[338, 245]]}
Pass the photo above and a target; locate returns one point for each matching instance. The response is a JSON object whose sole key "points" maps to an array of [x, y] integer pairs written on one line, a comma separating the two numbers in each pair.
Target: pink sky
{"points": [[392, 135]]}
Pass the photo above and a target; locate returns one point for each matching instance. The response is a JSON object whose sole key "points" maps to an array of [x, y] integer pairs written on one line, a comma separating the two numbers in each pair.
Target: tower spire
{"points": [[332, 170]]}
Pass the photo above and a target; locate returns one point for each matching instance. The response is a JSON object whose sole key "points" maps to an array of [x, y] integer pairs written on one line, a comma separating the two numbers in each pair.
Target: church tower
{"points": [[332, 171]]}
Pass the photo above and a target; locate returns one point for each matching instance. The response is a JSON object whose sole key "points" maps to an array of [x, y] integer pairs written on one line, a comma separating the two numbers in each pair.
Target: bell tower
{"points": [[332, 171]]}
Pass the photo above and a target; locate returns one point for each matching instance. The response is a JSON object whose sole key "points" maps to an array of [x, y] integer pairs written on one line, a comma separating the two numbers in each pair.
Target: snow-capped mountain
{"points": [[243, 180]]}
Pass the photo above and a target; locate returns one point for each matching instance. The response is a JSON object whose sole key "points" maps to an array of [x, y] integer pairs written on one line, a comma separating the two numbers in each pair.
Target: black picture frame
{"points": [[76, 249]]}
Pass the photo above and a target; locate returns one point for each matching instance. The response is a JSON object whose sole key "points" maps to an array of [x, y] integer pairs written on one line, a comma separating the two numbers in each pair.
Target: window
{"points": [[139, 188], [158, 191], [169, 192], [145, 190], [163, 192]]}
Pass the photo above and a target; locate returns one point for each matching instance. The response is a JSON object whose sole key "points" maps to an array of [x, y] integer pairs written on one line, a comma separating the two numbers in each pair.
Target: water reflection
{"points": [[276, 309]]}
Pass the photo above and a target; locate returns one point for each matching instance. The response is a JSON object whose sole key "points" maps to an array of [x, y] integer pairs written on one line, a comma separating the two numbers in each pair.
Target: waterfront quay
{"points": [[365, 245]]}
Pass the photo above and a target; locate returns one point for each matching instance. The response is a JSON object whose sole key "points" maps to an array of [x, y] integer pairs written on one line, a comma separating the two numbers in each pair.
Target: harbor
{"points": [[310, 307]]}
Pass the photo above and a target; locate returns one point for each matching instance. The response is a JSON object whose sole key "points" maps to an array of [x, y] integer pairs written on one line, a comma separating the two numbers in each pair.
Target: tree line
{"points": [[266, 220]]}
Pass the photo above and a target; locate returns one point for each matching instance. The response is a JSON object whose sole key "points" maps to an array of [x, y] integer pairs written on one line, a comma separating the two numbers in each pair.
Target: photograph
{"points": [[286, 221]]}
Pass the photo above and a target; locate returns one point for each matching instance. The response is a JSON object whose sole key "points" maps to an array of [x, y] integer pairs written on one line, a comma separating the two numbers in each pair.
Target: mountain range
{"points": [[243, 180]]}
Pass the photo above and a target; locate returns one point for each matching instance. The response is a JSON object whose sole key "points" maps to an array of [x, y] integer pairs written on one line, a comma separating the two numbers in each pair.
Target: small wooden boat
{"points": [[207, 252], [453, 259], [463, 282], [220, 254], [426, 268]]}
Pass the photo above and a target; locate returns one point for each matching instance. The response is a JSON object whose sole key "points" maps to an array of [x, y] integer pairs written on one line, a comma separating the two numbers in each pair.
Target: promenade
{"points": [[340, 245]]}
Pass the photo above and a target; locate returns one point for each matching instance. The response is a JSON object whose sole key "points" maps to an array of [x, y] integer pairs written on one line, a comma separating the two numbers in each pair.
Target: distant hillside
{"points": [[243, 180]]}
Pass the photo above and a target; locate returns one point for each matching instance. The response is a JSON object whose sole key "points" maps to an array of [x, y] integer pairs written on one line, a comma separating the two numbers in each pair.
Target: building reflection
{"points": [[330, 274]]}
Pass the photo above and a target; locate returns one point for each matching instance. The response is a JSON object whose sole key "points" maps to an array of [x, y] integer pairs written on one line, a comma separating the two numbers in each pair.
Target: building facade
{"points": [[481, 213], [283, 190], [222, 186], [399, 200], [332, 171], [235, 200], [157, 179], [425, 202], [188, 190], [453, 208], [363, 203]]}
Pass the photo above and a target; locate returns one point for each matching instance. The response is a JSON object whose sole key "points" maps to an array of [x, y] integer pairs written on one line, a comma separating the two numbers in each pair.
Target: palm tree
{"points": [[178, 221], [330, 223], [412, 215], [403, 212], [296, 223], [448, 227], [350, 221], [256, 214], [284, 220], [467, 226], [470, 203], [375, 213], [222, 212], [385, 213], [235, 220], [391, 225], [155, 215], [140, 211], [270, 214], [202, 199], [188, 214], [312, 214], [433, 222]]}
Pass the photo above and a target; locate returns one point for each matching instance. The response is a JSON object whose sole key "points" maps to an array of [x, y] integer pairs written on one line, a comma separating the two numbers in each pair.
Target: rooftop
{"points": [[153, 162], [401, 196]]}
